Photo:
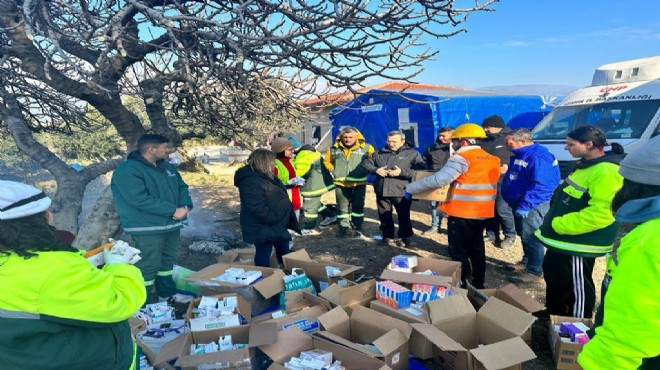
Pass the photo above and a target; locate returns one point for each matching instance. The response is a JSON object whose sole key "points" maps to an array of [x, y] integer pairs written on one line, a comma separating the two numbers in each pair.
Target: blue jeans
{"points": [[264, 250], [533, 249], [436, 215], [503, 217]]}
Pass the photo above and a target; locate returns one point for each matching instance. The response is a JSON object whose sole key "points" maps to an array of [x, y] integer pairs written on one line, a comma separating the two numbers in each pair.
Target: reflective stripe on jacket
{"points": [[580, 221], [473, 193], [58, 311]]}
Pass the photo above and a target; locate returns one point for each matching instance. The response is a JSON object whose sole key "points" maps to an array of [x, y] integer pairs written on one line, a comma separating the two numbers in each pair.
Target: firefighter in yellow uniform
{"points": [[473, 174]]}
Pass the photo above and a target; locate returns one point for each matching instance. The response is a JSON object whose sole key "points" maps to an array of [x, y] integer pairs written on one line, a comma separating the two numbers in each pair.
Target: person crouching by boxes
{"points": [[57, 310]]}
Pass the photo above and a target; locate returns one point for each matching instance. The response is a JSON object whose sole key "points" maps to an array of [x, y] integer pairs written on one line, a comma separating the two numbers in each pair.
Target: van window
{"points": [[619, 120]]}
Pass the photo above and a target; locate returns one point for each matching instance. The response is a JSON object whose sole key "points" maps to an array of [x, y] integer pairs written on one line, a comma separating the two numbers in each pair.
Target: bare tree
{"points": [[226, 67]]}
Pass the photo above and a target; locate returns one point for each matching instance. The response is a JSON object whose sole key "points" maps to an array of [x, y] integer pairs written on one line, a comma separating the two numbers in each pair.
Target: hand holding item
{"points": [[381, 171], [118, 252], [395, 172], [180, 213]]}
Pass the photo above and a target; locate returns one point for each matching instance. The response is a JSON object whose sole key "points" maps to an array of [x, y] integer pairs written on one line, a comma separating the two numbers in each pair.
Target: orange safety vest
{"points": [[473, 193]]}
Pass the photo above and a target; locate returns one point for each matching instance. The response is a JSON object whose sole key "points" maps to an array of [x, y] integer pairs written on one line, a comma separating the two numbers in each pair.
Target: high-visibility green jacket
{"points": [[58, 311], [580, 221], [146, 196], [345, 164], [630, 331], [318, 180]]}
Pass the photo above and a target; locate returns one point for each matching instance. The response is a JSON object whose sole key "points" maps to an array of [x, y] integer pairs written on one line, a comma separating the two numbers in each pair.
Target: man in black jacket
{"points": [[435, 156], [495, 145], [394, 167]]}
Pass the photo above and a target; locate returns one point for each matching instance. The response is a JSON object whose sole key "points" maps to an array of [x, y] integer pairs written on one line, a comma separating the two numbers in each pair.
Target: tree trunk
{"points": [[102, 223]]}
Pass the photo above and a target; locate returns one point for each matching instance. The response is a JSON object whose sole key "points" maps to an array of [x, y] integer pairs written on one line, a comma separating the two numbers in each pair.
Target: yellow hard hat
{"points": [[468, 131]]}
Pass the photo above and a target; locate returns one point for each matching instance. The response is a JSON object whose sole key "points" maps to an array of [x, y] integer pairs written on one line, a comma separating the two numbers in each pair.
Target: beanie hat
{"points": [[493, 121], [20, 200], [279, 144], [294, 141], [642, 165]]}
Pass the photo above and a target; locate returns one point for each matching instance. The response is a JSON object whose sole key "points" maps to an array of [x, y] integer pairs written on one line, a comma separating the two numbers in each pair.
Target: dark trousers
{"points": [[466, 245], [570, 289], [385, 207], [503, 217], [350, 202], [265, 249], [158, 252]]}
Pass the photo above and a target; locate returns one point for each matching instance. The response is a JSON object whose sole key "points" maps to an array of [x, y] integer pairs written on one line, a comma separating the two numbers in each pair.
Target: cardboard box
{"points": [[365, 326], [243, 308], [420, 347], [254, 335], [510, 294], [137, 326], [488, 339], [261, 296], [354, 294], [302, 307], [244, 256], [450, 273], [316, 271], [565, 354], [437, 195], [292, 341]]}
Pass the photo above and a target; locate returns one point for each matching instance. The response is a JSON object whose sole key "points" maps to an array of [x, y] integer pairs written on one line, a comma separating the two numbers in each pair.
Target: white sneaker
{"points": [[310, 232]]}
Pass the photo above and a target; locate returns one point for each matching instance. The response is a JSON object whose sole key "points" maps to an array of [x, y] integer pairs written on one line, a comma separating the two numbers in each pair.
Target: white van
{"points": [[623, 99]]}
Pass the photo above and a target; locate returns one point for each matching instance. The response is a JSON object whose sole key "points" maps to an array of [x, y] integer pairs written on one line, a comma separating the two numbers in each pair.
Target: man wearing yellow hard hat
{"points": [[473, 174]]}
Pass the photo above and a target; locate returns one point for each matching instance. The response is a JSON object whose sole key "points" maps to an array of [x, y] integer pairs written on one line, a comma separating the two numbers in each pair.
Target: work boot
{"points": [[342, 232], [328, 221], [490, 238]]}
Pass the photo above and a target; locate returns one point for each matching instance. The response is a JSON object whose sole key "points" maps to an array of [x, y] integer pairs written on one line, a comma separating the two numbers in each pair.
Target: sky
{"points": [[557, 42]]}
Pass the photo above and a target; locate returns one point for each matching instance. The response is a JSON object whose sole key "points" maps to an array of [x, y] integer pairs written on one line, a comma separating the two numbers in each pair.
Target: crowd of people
{"points": [[500, 179], [55, 299]]}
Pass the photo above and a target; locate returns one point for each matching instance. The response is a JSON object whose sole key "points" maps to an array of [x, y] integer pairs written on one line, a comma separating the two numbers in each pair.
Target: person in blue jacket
{"points": [[528, 185]]}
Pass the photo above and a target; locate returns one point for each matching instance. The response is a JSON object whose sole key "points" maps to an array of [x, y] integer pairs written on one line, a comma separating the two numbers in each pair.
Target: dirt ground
{"points": [[218, 203]]}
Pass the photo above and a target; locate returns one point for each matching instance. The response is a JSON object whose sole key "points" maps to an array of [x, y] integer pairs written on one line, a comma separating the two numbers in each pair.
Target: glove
{"points": [[299, 181], [119, 252], [407, 195], [522, 214]]}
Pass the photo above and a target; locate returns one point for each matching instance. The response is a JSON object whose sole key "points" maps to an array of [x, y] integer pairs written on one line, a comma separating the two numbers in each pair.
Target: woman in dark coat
{"points": [[266, 211]]}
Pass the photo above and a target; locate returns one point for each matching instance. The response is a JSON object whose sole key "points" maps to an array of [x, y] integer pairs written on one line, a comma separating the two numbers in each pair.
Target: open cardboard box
{"points": [[315, 269], [244, 256], [302, 308], [243, 308], [420, 347], [292, 341], [510, 294], [351, 295], [254, 335], [137, 326], [450, 273], [261, 295], [564, 353], [458, 331], [436, 195], [365, 326]]}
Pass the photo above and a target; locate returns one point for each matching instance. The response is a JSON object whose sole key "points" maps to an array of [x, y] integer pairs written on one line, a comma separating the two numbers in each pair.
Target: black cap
{"points": [[493, 121]]}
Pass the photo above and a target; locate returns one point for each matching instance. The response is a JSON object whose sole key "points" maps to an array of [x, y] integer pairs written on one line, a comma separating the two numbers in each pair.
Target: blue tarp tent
{"points": [[422, 113]]}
